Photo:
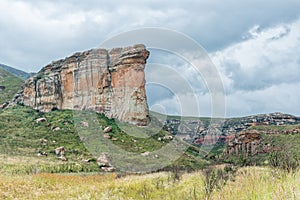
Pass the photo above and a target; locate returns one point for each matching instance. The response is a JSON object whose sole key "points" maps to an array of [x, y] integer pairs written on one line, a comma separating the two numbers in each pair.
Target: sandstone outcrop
{"points": [[247, 142], [111, 82]]}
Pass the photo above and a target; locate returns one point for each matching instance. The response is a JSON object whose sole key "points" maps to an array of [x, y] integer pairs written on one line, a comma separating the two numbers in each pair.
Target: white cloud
{"points": [[279, 98], [260, 74]]}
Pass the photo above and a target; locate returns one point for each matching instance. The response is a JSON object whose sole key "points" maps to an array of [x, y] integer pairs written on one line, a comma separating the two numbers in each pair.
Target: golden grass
{"points": [[249, 183]]}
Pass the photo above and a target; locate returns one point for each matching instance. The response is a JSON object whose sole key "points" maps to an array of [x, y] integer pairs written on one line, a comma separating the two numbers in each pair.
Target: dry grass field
{"points": [[248, 183]]}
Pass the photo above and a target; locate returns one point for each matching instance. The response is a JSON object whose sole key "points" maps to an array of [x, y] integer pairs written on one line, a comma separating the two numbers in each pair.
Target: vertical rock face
{"points": [[247, 142], [107, 81]]}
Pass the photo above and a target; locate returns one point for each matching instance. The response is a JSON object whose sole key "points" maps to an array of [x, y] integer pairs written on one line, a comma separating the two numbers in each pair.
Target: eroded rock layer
{"points": [[107, 81]]}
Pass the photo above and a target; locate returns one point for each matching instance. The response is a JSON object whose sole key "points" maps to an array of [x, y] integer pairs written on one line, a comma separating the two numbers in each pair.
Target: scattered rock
{"points": [[147, 153], [56, 129], [114, 139], [4, 105], [103, 160], [63, 158], [104, 163], [107, 136], [39, 120], [84, 124], [168, 137], [159, 139], [108, 169], [83, 139], [156, 156], [89, 160], [42, 154], [107, 129], [60, 151], [43, 141]]}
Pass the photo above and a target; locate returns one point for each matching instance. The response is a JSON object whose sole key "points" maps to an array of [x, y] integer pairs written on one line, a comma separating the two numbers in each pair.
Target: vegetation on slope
{"points": [[19, 73], [22, 139], [11, 83], [21, 136], [284, 145]]}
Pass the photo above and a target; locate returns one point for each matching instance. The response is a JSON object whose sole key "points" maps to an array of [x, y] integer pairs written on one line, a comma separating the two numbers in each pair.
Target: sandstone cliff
{"points": [[107, 81]]}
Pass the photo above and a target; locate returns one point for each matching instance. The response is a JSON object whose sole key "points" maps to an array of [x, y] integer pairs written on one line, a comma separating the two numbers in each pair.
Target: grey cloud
{"points": [[33, 33], [69, 26]]}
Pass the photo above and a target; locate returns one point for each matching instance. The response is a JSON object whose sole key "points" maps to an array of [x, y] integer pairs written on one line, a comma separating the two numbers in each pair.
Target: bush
{"points": [[215, 179], [284, 160]]}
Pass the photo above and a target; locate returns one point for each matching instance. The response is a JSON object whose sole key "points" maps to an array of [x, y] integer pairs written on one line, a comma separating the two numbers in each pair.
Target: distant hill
{"points": [[19, 73], [9, 85]]}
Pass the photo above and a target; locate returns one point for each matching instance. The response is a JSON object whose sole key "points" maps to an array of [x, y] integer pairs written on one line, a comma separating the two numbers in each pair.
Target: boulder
{"points": [[43, 141], [84, 124], [168, 137], [4, 105], [147, 153], [56, 129], [108, 169], [107, 136], [103, 160], [60, 150], [63, 158], [42, 153], [107, 129], [39, 120], [104, 163]]}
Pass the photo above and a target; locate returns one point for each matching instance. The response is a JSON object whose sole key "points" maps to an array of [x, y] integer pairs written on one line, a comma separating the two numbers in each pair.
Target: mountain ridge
{"points": [[19, 73]]}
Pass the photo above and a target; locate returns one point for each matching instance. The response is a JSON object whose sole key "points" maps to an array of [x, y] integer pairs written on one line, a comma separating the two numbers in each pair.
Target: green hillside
{"points": [[10, 85], [21, 137], [19, 73]]}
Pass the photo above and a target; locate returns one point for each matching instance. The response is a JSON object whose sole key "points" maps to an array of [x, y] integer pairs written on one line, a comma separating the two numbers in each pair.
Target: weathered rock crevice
{"points": [[106, 81]]}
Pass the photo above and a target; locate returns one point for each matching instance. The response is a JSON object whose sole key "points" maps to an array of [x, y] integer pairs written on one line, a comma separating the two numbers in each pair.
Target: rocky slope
{"points": [[107, 81], [195, 129], [256, 140]]}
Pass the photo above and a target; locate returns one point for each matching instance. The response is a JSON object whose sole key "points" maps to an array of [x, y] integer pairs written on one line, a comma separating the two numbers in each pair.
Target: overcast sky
{"points": [[255, 45]]}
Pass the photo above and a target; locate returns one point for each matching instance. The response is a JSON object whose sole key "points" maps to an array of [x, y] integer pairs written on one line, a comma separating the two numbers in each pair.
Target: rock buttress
{"points": [[107, 81]]}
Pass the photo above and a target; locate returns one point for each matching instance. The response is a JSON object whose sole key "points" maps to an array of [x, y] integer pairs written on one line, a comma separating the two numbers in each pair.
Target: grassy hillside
{"points": [[11, 83], [19, 73], [20, 137]]}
